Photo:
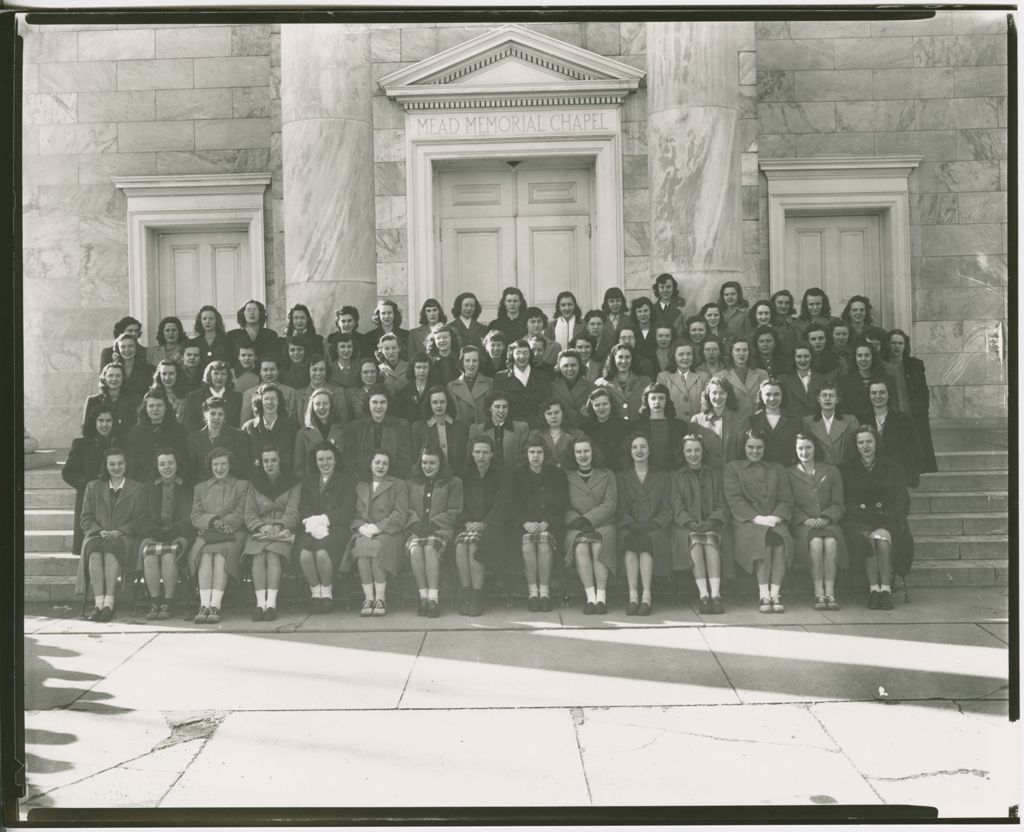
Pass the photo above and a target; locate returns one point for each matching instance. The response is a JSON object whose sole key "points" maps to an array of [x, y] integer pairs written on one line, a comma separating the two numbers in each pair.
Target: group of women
{"points": [[736, 436]]}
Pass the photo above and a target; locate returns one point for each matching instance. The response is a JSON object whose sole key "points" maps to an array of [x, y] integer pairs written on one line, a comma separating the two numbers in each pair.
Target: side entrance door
{"points": [[526, 226], [841, 254]]}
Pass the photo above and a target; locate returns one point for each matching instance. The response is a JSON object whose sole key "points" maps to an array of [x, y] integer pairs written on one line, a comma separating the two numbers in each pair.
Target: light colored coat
{"points": [[101, 513], [698, 496], [445, 506], [685, 395], [746, 391], [261, 509], [816, 496], [650, 500], [470, 405], [388, 508], [224, 499], [837, 446], [597, 499], [752, 489]]}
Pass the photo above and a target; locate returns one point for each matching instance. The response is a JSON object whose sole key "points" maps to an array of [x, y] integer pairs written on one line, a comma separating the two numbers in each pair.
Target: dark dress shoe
{"points": [[258, 614], [106, 614], [433, 609], [154, 612], [326, 605], [588, 608], [475, 607], [270, 614], [716, 606], [464, 605], [533, 604], [632, 608], [885, 600], [600, 608], [704, 606], [314, 605], [545, 603], [95, 614], [421, 611], [873, 600], [645, 609]]}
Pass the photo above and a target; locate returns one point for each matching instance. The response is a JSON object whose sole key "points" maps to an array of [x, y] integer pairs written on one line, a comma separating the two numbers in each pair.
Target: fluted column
{"points": [[327, 154], [694, 161]]}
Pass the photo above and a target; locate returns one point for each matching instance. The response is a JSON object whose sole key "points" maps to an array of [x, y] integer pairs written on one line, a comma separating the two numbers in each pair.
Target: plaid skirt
{"points": [[155, 548], [589, 537], [709, 538], [540, 537], [427, 540], [467, 537]]}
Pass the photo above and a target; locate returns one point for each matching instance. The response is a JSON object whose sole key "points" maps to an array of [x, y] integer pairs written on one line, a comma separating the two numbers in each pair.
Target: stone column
{"points": [[693, 155], [327, 156]]}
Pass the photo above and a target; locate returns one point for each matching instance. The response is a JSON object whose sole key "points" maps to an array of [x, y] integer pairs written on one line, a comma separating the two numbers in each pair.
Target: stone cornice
{"points": [[563, 75], [839, 167], [197, 183]]}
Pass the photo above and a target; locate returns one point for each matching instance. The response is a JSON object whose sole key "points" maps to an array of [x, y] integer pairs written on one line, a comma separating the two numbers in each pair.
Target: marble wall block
{"points": [[933, 209], [1004, 113], [390, 211], [747, 130], [934, 82], [634, 172], [937, 337], [960, 239], [873, 53], [981, 144], [386, 44], [232, 133], [870, 116], [61, 261], [119, 45], [937, 177], [50, 108], [750, 203], [957, 113], [634, 108], [634, 138], [46, 46], [983, 208], [989, 271], [253, 160], [50, 170], [170, 74], [633, 38], [251, 102], [571, 33], [602, 38], [637, 237], [29, 78], [637, 277], [211, 42], [832, 85], [772, 30], [829, 28], [979, 21], [807, 117], [78, 77], [275, 49], [251, 40], [835, 144], [940, 24], [389, 145], [977, 81], [156, 135], [418, 44], [117, 106], [964, 368], [391, 245], [949, 304], [939, 50], [793, 54], [636, 205], [776, 146], [946, 402], [389, 178], [232, 72], [934, 145], [748, 68], [387, 114], [989, 336], [63, 139], [985, 402], [392, 279], [324, 65]]}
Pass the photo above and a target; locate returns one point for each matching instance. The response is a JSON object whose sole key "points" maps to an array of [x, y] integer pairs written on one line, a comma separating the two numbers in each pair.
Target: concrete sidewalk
{"points": [[516, 708]]}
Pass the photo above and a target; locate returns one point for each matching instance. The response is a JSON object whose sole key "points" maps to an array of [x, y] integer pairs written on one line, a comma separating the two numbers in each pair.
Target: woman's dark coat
{"points": [[877, 498]]}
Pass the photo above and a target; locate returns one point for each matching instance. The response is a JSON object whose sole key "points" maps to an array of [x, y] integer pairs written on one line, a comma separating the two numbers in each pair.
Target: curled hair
{"points": [[829, 385], [157, 393], [665, 277], [868, 317], [375, 318], [261, 391], [419, 358], [377, 390], [510, 290], [535, 312], [656, 387], [346, 310], [709, 305], [113, 365], [730, 395], [214, 401], [769, 382], [466, 350], [496, 395], [89, 426], [732, 346], [482, 439], [123, 323], [886, 349], [432, 303], [310, 325], [819, 453], [609, 363], [154, 469], [170, 319], [680, 342], [212, 367], [826, 307], [535, 439], [444, 473], [510, 360], [589, 406], [731, 284], [426, 411], [240, 316], [462, 298], [217, 453], [309, 415], [752, 313], [430, 341], [158, 382], [643, 300], [327, 446], [614, 292], [577, 314], [868, 429], [109, 452], [755, 433], [782, 293]]}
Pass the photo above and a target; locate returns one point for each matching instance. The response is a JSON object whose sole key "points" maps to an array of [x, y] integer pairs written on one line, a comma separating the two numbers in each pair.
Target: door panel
{"points": [[543, 192], [477, 193], [478, 257], [553, 255], [199, 268], [841, 254]]}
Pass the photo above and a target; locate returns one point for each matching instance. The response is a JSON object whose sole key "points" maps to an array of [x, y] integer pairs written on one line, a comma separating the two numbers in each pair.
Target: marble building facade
{"points": [[699, 145]]}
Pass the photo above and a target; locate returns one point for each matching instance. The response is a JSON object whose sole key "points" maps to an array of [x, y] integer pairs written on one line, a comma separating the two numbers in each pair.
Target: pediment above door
{"points": [[511, 67]]}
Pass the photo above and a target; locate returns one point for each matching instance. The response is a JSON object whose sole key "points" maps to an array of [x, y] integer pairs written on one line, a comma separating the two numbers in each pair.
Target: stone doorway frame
{"points": [[606, 241], [847, 185]]}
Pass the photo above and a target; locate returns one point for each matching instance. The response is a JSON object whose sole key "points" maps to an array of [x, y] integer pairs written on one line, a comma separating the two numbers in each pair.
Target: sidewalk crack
{"points": [[109, 673], [976, 772], [578, 718], [412, 667]]}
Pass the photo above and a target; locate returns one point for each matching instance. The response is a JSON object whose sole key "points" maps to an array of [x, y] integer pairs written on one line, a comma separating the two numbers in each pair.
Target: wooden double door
{"points": [[506, 224]]}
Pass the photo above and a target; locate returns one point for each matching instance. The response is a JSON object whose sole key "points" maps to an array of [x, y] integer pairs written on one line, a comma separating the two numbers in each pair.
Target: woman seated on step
{"points": [[590, 537]]}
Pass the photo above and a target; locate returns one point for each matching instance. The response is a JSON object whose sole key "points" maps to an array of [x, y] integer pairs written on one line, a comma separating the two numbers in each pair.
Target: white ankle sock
{"points": [[216, 596], [763, 590], [431, 594], [533, 591], [602, 596], [100, 601], [368, 591], [830, 588], [261, 598], [379, 589], [715, 585], [886, 588], [634, 596], [876, 588], [646, 597], [325, 591], [702, 588], [271, 599], [545, 591], [591, 594], [204, 597], [314, 591], [774, 590], [423, 595]]}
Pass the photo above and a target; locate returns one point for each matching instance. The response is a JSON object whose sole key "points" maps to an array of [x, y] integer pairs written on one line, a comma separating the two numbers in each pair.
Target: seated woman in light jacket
{"points": [[218, 505], [761, 504], [817, 509], [700, 524], [590, 525], [435, 503], [272, 517]]}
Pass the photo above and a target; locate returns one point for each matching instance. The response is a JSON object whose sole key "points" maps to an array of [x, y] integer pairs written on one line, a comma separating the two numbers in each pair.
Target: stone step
{"points": [[51, 589], [963, 481], [962, 547], [957, 573], [976, 523], [48, 540], [50, 498], [972, 460], [50, 564], [958, 502], [49, 518], [45, 478]]}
